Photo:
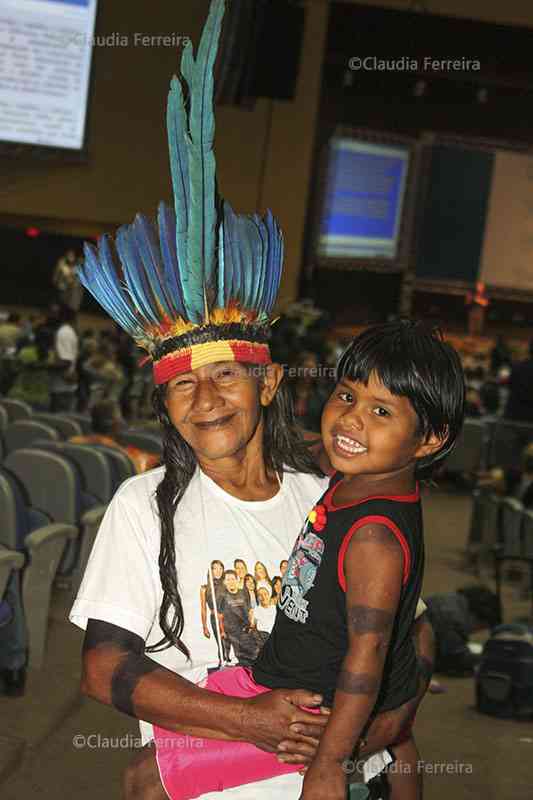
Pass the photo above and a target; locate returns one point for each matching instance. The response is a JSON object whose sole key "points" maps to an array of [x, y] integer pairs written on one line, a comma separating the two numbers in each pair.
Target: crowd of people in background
{"points": [[49, 363]]}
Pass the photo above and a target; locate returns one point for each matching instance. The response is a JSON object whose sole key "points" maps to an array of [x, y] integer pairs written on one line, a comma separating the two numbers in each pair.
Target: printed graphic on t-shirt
{"points": [[304, 562], [242, 612]]}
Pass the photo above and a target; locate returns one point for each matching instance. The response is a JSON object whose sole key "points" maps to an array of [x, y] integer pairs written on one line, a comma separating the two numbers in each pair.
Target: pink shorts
{"points": [[190, 767]]}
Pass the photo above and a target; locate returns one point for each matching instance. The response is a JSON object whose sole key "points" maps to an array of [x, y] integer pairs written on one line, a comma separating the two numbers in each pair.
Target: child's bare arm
{"points": [[372, 597]]}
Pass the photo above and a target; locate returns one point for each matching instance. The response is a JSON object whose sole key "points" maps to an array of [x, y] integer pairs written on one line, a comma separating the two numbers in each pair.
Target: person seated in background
{"points": [[66, 282], [64, 375], [500, 355], [107, 422], [514, 482], [104, 374], [140, 389], [10, 334], [32, 381], [455, 616], [472, 403], [490, 398], [88, 347]]}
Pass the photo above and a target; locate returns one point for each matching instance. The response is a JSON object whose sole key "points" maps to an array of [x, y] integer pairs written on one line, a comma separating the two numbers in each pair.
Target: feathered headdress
{"points": [[200, 286]]}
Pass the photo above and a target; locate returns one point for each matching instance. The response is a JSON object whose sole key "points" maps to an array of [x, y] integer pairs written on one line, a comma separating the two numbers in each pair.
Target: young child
{"points": [[352, 583]]}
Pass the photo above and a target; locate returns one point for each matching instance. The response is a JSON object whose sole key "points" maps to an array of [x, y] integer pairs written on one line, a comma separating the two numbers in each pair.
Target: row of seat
{"points": [[502, 523], [501, 530], [52, 530], [19, 425], [489, 443], [53, 495]]}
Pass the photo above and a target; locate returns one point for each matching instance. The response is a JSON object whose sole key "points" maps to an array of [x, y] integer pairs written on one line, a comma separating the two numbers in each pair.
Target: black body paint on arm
{"points": [[357, 683], [125, 679], [133, 664]]}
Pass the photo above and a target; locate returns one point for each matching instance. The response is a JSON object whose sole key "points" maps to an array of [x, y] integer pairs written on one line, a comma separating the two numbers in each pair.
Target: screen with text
{"points": [[363, 200], [45, 64]]}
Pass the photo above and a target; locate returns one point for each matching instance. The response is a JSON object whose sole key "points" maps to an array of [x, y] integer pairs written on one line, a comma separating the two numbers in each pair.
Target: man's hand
{"points": [[276, 722]]}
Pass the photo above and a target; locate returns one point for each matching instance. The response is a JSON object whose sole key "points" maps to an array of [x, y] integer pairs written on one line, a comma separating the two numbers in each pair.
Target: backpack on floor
{"points": [[504, 679]]}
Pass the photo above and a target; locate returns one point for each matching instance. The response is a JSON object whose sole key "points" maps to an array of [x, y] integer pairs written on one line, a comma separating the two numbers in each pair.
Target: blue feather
{"points": [[134, 274], [106, 289], [247, 245], [233, 267], [221, 273], [167, 240], [274, 264], [148, 247], [202, 211], [178, 142], [260, 266]]}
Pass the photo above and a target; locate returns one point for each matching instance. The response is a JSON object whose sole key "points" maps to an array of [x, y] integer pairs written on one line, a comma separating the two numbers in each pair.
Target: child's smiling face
{"points": [[369, 430]]}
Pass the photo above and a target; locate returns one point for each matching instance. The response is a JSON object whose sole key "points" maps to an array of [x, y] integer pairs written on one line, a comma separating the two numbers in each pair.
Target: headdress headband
{"points": [[199, 287]]}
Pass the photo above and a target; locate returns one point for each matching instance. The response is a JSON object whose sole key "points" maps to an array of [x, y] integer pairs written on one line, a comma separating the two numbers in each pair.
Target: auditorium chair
{"points": [[65, 426], [10, 561], [122, 466], [83, 420], [54, 486], [484, 534], [40, 542], [16, 409], [149, 441], [516, 544], [468, 453], [92, 464], [23, 432], [511, 516], [4, 420], [507, 442]]}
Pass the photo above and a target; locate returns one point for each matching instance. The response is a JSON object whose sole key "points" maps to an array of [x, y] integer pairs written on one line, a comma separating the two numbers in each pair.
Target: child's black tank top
{"points": [[310, 637]]}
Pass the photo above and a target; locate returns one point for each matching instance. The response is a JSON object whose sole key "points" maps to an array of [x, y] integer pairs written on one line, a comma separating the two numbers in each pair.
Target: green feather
{"points": [[202, 211]]}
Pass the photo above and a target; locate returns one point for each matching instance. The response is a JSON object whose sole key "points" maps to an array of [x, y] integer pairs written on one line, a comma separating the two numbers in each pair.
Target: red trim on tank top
{"points": [[398, 498], [394, 529]]}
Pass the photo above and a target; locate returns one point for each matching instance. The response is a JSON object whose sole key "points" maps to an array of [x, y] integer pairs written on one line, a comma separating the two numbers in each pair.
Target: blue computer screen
{"points": [[363, 199]]}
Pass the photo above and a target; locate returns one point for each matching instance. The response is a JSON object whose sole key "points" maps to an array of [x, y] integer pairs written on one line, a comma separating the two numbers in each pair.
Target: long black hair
{"points": [[413, 361], [284, 451]]}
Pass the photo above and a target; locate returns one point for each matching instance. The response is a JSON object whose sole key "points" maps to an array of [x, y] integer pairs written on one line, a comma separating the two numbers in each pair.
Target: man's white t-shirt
{"points": [[66, 346], [121, 584]]}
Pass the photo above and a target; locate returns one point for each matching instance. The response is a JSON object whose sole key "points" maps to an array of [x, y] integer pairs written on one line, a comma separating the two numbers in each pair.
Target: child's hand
{"points": [[324, 780]]}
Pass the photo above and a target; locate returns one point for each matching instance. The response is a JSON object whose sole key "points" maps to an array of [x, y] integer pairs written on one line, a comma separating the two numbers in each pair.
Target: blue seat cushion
{"points": [[6, 613]]}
